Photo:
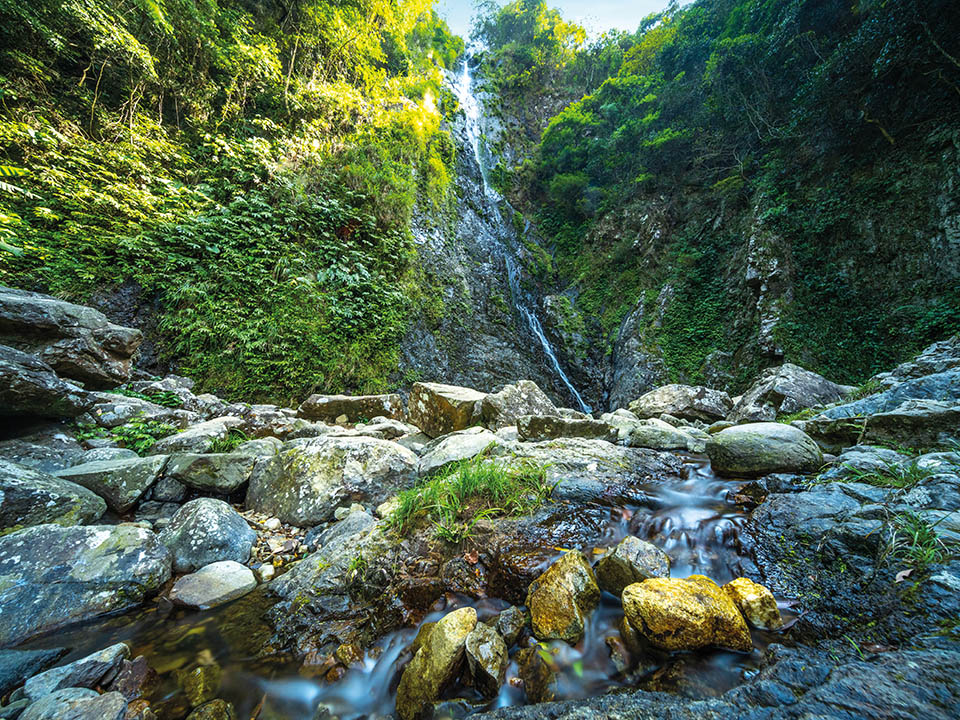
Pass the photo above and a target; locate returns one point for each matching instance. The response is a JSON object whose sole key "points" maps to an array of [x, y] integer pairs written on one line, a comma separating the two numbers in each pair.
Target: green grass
{"points": [[233, 439], [916, 541], [464, 493], [904, 476], [870, 387]]}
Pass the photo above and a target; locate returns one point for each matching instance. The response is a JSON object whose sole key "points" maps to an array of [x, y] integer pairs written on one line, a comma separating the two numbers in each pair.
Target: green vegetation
{"points": [[136, 435], [904, 476], [234, 439], [916, 541], [165, 398], [464, 493]]}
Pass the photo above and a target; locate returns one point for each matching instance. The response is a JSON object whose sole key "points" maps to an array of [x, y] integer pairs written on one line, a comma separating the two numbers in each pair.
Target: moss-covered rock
{"points": [[487, 659], [30, 497], [762, 448], [633, 560]]}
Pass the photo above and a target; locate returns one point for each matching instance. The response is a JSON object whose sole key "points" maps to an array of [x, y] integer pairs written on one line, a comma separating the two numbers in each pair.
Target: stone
{"points": [[785, 390], [77, 704], [436, 663], [78, 342], [201, 684], [386, 429], [198, 438], [206, 531], [685, 614], [863, 458], [216, 709], [18, 665], [46, 448], [220, 473], [502, 409], [917, 423], [632, 560], [306, 481], [356, 408], [423, 634], [168, 490], [687, 402], [537, 427], [456, 446], [104, 454], [215, 584], [30, 497], [758, 449], [561, 597], [30, 387], [657, 435], [51, 576], [86, 672], [510, 624], [755, 603], [487, 659], [119, 482], [111, 410], [539, 679], [439, 409], [134, 679]]}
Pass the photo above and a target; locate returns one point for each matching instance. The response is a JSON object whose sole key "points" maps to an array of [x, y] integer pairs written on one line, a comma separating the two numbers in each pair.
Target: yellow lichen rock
{"points": [[685, 614], [755, 602], [560, 599]]}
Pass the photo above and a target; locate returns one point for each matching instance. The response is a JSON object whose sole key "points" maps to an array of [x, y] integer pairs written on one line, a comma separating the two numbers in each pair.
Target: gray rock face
{"points": [[206, 531], [633, 370], [687, 402], [632, 560], [439, 409], [29, 387], [308, 479], [119, 482], [77, 342], [937, 358], [18, 665], [83, 673], [213, 472], [197, 438], [77, 704], [943, 387], [111, 410], [502, 409], [47, 449], [103, 454], [51, 576], [29, 497], [863, 458], [762, 448], [213, 585], [785, 390], [454, 447], [537, 427], [487, 659], [357, 408], [657, 435]]}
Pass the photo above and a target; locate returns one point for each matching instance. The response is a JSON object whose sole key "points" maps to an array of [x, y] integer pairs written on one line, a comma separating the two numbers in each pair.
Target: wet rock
{"points": [[436, 663], [539, 679], [308, 479], [685, 614], [755, 602], [635, 364], [214, 710], [119, 482], [561, 597], [760, 448], [543, 427], [441, 409], [487, 659], [18, 665], [206, 531], [201, 684], [357, 408], [134, 679], [510, 624], [631, 561], [30, 497], [457, 446], [197, 438], [77, 342], [619, 654], [86, 672], [220, 473], [51, 576], [502, 409], [30, 387], [785, 390], [423, 634], [215, 584], [13, 709], [683, 401], [77, 704]]}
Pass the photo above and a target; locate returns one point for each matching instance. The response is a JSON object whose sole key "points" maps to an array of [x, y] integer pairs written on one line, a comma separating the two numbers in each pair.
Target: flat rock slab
{"points": [[119, 482], [77, 704], [83, 673], [356, 408], [213, 585], [30, 497]]}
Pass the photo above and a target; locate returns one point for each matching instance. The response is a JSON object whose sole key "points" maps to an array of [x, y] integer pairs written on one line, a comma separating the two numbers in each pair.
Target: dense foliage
{"points": [[247, 167]]}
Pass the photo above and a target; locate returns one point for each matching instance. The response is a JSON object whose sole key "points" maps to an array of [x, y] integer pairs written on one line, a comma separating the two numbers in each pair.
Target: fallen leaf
{"points": [[903, 575], [471, 557]]}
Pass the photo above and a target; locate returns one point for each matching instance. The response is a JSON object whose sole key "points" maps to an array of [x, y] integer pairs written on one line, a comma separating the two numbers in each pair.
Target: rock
{"points": [[197, 438], [685, 614], [423, 634], [631, 561], [657, 435], [201, 684], [356, 408], [119, 482], [561, 597], [441, 409], [111, 410], [220, 473], [386, 429], [785, 390], [755, 603], [510, 624], [214, 710], [77, 704], [761, 448], [863, 458], [309, 478], [213, 585], [51, 576], [917, 423], [168, 490], [18, 665], [436, 663], [457, 446], [134, 679], [683, 401], [537, 427], [84, 673], [77, 342], [30, 497], [719, 425], [416, 443], [539, 679], [487, 659], [263, 447], [46, 448], [30, 387], [502, 409], [635, 365], [13, 709], [206, 531], [103, 454]]}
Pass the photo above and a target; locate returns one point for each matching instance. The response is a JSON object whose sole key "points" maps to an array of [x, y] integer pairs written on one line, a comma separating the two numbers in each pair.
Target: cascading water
{"points": [[463, 89]]}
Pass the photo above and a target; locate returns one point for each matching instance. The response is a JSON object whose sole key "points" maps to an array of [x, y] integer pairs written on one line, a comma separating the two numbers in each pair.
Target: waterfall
{"points": [[463, 89]]}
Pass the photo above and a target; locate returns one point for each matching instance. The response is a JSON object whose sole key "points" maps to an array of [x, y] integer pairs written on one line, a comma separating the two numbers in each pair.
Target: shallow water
{"points": [[694, 521]]}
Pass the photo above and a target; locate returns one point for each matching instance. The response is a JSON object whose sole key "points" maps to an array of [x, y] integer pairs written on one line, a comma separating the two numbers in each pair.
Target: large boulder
{"points": [[916, 423], [198, 438], [561, 598], [785, 390], [687, 402], [77, 342], [356, 408], [213, 585], [551, 427], [461, 445], [30, 387], [632, 560], [439, 409], [111, 410], [18, 665], [46, 448], [30, 497], [119, 482], [655, 434], [206, 531], [758, 449], [51, 576], [502, 409], [685, 614], [87, 672], [220, 473], [436, 663], [303, 484]]}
